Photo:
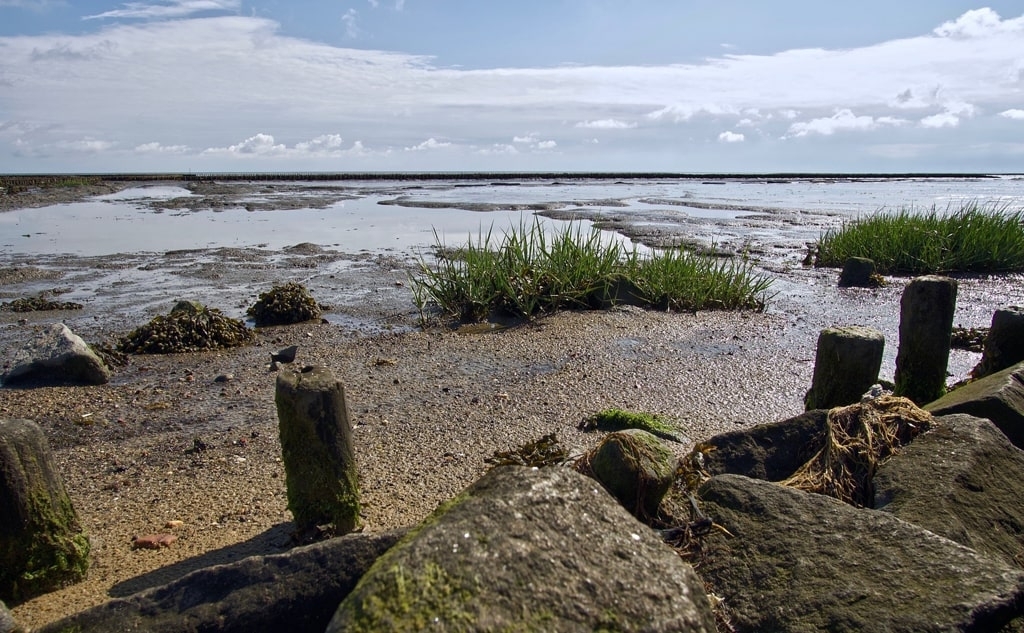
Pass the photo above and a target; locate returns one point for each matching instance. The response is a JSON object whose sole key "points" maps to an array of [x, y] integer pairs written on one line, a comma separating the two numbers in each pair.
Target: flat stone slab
{"points": [[999, 398], [797, 561], [962, 480], [294, 591]]}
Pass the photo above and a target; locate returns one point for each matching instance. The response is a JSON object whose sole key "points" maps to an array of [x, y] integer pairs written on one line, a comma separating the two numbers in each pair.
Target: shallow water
{"points": [[275, 215]]}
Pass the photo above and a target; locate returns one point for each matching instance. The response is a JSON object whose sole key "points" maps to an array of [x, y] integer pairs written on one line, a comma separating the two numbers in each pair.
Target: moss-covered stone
{"points": [[619, 420], [42, 545], [636, 468]]}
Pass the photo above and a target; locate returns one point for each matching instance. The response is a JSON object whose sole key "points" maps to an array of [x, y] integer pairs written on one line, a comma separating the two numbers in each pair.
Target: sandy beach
{"points": [[193, 437]]}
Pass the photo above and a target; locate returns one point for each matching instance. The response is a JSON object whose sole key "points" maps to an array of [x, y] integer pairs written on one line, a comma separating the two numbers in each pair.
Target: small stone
{"points": [[224, 378], [173, 524], [153, 541]]}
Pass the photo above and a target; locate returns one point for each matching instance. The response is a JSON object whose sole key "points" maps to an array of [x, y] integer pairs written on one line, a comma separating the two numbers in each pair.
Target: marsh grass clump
{"points": [[190, 327], [976, 238], [284, 305], [528, 272]]}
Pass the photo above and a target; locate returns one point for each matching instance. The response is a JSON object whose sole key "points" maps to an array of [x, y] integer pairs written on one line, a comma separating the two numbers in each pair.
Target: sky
{"points": [[695, 86]]}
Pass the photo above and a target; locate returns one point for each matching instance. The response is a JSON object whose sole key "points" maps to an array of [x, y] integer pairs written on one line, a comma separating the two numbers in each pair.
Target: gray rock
{"points": [[961, 480], [636, 467], [767, 451], [999, 398], [846, 365], [529, 549], [797, 561], [57, 356], [295, 591]]}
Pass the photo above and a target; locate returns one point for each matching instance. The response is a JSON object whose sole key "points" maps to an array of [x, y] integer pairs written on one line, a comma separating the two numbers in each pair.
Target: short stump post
{"points": [[1004, 345], [316, 446], [926, 325], [42, 544], [846, 365]]}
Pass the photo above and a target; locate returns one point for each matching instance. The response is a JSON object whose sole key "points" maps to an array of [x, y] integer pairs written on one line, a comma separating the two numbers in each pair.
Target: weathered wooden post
{"points": [[846, 365], [42, 545], [926, 325], [1004, 345], [316, 445]]}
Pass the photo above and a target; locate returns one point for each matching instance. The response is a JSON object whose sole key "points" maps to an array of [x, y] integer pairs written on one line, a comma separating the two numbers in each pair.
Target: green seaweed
{"points": [[618, 420]]}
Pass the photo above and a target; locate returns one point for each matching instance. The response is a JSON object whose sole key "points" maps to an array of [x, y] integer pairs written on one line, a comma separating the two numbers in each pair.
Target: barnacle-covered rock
{"points": [[283, 305], [190, 327]]}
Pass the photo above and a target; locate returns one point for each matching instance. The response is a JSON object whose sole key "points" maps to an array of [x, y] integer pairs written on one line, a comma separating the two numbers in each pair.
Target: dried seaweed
{"points": [[546, 451]]}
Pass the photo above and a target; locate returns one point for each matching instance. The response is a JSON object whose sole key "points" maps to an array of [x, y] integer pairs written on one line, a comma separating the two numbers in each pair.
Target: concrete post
{"points": [[846, 365], [316, 446], [926, 325]]}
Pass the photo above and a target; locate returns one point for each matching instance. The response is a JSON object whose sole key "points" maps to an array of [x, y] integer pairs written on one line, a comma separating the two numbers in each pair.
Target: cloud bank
{"points": [[191, 84]]}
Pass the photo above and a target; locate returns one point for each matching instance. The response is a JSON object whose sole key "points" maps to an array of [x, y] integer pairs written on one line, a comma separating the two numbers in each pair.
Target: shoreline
{"points": [[428, 407]]}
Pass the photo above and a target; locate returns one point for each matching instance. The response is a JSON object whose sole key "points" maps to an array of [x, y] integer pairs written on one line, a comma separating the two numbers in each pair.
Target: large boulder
{"points": [[529, 549], [998, 397], [42, 544], [7, 623], [57, 356], [796, 561], [767, 451], [961, 480], [295, 591]]}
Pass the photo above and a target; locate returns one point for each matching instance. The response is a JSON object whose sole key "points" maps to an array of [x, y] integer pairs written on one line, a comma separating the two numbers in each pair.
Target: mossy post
{"points": [[42, 545], [316, 445], [926, 325], [846, 365]]}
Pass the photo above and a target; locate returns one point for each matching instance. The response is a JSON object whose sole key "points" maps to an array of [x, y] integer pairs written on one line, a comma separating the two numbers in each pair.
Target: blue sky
{"points": [[466, 85]]}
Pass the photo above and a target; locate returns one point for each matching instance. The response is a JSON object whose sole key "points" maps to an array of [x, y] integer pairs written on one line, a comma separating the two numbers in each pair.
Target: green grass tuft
{"points": [[527, 273], [975, 238]]}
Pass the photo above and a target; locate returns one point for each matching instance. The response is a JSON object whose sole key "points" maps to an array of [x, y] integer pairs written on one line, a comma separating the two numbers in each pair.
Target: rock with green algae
{"points": [[636, 468], [42, 545], [316, 446], [529, 549]]}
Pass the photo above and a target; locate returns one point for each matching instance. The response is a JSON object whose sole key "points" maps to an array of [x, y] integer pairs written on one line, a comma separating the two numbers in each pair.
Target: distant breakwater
{"points": [[49, 180]]}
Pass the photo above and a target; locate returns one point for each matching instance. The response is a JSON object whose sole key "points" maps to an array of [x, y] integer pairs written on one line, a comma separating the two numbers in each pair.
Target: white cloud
{"points": [[843, 121], [430, 143], [731, 137], [546, 145], [682, 112], [978, 23], [351, 22], [498, 148], [323, 144], [529, 138], [258, 145], [943, 119], [157, 148], [607, 124], [169, 9], [374, 3], [1013, 113]]}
